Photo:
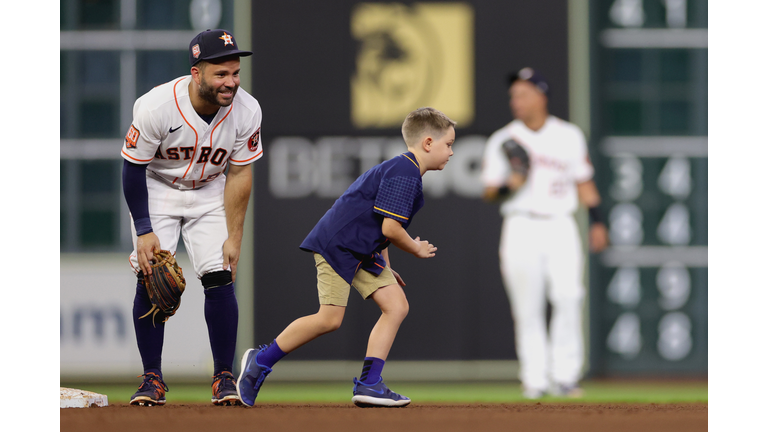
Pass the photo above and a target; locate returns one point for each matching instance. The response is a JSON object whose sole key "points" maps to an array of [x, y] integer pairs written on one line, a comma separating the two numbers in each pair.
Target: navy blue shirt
{"points": [[349, 235]]}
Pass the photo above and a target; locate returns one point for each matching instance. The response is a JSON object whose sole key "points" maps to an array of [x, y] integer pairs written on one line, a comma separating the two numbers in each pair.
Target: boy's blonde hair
{"points": [[425, 121]]}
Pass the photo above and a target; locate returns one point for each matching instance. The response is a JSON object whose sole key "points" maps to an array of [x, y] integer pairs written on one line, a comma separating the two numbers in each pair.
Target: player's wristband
{"points": [[143, 226], [594, 215]]}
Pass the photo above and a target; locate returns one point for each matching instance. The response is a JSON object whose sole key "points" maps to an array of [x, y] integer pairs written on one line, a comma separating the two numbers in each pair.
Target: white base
{"points": [[74, 398]]}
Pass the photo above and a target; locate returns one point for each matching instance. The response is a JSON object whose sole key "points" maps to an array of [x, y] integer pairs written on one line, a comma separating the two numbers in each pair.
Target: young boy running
{"points": [[349, 245]]}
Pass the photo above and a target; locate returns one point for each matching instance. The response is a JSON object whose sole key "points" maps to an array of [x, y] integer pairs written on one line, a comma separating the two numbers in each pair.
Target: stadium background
{"points": [[632, 74]]}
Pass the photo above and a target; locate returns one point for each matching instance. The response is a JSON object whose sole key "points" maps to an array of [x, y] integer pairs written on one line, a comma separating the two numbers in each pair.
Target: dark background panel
{"points": [[304, 58]]}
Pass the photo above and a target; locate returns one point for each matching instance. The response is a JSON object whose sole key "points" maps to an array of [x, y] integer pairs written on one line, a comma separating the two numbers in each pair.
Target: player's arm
{"points": [[399, 237], [237, 192], [137, 198], [590, 197]]}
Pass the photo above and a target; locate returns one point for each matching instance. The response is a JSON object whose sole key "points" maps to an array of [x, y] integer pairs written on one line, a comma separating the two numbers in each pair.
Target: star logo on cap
{"points": [[227, 39]]}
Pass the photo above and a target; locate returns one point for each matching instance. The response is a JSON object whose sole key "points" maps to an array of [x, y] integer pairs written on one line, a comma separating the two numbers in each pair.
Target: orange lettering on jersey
{"points": [[253, 142], [132, 137]]}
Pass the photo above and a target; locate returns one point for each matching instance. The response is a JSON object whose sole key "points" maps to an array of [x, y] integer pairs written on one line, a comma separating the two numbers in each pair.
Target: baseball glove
{"points": [[518, 157], [165, 286]]}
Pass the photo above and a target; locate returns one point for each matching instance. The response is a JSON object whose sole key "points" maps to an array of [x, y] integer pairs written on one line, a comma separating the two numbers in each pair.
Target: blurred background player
{"points": [[184, 135], [540, 251], [350, 246]]}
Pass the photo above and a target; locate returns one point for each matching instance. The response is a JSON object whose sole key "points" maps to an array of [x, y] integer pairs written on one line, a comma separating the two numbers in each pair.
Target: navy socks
{"points": [[270, 356], [221, 313], [149, 337], [372, 367]]}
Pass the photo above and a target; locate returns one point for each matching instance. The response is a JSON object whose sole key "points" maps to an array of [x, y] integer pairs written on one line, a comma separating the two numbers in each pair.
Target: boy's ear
{"points": [[426, 144]]}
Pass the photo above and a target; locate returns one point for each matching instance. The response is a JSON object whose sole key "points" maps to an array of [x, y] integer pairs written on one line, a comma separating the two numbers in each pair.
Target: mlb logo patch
{"points": [[132, 137], [253, 142], [196, 50]]}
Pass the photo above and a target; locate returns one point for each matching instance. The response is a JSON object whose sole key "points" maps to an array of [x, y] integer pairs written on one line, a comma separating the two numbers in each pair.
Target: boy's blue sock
{"points": [[372, 368], [271, 355]]}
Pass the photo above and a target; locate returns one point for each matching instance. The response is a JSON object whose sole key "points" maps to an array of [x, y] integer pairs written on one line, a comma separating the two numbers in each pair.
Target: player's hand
{"points": [[516, 180], [400, 280], [598, 237], [426, 249], [231, 251], [146, 245]]}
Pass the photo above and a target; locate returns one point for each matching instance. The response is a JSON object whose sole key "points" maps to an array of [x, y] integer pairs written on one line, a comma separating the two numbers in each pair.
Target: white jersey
{"points": [[559, 161], [180, 147]]}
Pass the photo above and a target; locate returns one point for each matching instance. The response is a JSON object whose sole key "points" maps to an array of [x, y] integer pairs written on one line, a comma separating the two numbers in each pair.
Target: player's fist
{"points": [[426, 249]]}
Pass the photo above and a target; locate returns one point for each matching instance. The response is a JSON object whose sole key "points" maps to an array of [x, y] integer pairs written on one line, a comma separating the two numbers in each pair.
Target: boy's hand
{"points": [[400, 280], [426, 249]]}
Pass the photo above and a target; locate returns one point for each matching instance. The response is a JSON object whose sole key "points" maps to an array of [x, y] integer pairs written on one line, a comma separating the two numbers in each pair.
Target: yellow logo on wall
{"points": [[410, 57]]}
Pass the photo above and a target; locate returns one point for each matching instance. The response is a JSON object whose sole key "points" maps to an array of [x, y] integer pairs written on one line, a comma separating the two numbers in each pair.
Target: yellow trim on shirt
{"points": [[393, 214], [417, 165]]}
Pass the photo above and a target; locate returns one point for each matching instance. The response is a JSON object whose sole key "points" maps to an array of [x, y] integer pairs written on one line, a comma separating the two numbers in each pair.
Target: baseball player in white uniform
{"points": [[540, 249], [184, 136]]}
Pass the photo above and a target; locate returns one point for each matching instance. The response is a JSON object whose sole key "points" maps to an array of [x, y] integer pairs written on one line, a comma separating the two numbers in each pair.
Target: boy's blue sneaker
{"points": [[376, 395], [252, 376]]}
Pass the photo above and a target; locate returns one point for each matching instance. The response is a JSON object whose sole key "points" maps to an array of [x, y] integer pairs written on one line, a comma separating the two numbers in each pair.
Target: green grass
{"points": [[431, 392]]}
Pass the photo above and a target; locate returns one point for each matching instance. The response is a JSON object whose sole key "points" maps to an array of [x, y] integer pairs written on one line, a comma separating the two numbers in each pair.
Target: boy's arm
{"points": [[397, 235]]}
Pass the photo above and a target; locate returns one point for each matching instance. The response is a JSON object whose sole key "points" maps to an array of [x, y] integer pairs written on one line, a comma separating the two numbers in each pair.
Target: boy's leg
{"points": [[327, 319], [256, 364], [394, 308], [370, 390]]}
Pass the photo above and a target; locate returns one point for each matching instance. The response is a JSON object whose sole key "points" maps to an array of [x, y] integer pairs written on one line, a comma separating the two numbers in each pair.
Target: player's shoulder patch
{"points": [[132, 137], [253, 141]]}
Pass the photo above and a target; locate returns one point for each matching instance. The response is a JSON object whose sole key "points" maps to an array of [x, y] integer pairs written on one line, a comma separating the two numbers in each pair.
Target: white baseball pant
{"points": [[197, 214], [534, 251]]}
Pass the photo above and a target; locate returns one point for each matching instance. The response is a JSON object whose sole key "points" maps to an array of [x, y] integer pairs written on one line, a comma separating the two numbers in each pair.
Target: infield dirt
{"points": [[422, 417]]}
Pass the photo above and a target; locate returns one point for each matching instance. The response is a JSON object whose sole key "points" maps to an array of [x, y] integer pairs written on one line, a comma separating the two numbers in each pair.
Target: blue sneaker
{"points": [[252, 376], [376, 395]]}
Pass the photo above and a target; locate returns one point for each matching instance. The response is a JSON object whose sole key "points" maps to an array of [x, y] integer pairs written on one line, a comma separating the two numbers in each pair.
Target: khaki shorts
{"points": [[332, 289]]}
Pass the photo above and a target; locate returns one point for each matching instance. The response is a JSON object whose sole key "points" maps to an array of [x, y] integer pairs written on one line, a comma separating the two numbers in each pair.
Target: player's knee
{"points": [[216, 279]]}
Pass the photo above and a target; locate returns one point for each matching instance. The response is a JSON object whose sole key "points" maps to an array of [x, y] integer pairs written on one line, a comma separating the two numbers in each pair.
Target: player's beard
{"points": [[210, 94]]}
